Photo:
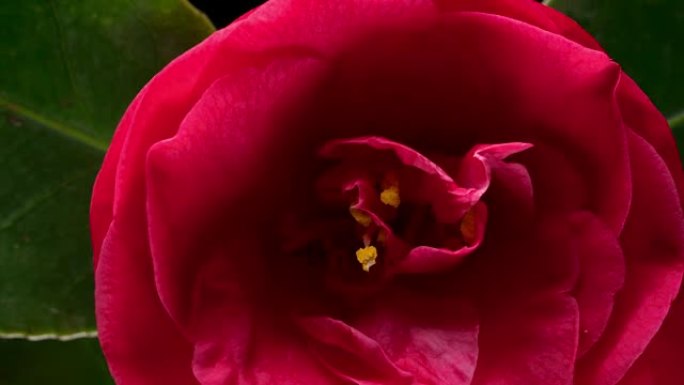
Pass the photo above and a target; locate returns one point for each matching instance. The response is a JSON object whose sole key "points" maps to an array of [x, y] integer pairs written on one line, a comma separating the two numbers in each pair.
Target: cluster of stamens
{"points": [[368, 254]]}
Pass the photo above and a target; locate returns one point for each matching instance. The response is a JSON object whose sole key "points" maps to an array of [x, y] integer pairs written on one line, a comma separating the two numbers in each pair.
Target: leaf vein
{"points": [[55, 126]]}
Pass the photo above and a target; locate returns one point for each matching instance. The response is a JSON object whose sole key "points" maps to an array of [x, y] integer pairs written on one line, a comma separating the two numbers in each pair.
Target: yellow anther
{"points": [[359, 216], [366, 257], [468, 227], [390, 193], [390, 196]]}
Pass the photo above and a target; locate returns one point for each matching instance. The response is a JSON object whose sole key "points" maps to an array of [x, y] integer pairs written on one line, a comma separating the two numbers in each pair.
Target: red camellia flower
{"points": [[392, 192]]}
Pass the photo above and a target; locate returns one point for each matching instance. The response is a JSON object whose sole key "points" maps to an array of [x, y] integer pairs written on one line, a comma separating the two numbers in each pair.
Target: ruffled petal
{"points": [[427, 259], [430, 184], [139, 340], [432, 179], [475, 170]]}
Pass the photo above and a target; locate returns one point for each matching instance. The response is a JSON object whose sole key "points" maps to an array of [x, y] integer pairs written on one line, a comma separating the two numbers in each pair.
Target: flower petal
{"points": [[459, 89], [641, 116], [350, 354], [430, 184], [531, 12], [601, 275], [532, 343], [653, 243], [661, 363], [529, 321], [212, 190], [432, 334], [426, 259], [139, 340]]}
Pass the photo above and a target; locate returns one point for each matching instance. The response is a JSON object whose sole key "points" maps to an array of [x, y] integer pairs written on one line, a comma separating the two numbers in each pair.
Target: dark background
{"points": [[222, 12]]}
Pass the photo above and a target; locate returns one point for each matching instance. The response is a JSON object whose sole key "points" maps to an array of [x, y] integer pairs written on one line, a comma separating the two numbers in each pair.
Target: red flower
{"points": [[392, 192]]}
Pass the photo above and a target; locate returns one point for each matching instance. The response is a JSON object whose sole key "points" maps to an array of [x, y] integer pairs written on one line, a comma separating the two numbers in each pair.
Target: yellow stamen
{"points": [[359, 216], [366, 257], [390, 196], [468, 227], [390, 192]]}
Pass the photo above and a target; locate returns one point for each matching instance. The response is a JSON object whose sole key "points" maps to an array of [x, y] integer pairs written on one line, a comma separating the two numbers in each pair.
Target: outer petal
{"points": [[124, 278], [653, 243], [318, 25], [661, 363], [529, 12], [212, 191], [102, 204], [139, 340], [641, 116]]}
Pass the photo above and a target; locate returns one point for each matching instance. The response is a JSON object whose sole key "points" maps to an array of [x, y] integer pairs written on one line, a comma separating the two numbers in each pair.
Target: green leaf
{"points": [[644, 36], [77, 362], [677, 125], [69, 69]]}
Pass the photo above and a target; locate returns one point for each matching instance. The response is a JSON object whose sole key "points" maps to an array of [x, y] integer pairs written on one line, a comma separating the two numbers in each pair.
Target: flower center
{"points": [[404, 205], [389, 196], [383, 209]]}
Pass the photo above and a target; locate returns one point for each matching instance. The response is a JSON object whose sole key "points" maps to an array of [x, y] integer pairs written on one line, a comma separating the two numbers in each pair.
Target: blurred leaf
{"points": [[77, 362], [645, 36], [677, 125], [69, 69]]}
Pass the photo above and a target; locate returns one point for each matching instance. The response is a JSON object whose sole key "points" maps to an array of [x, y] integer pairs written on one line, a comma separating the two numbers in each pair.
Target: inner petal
{"points": [[412, 215]]}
